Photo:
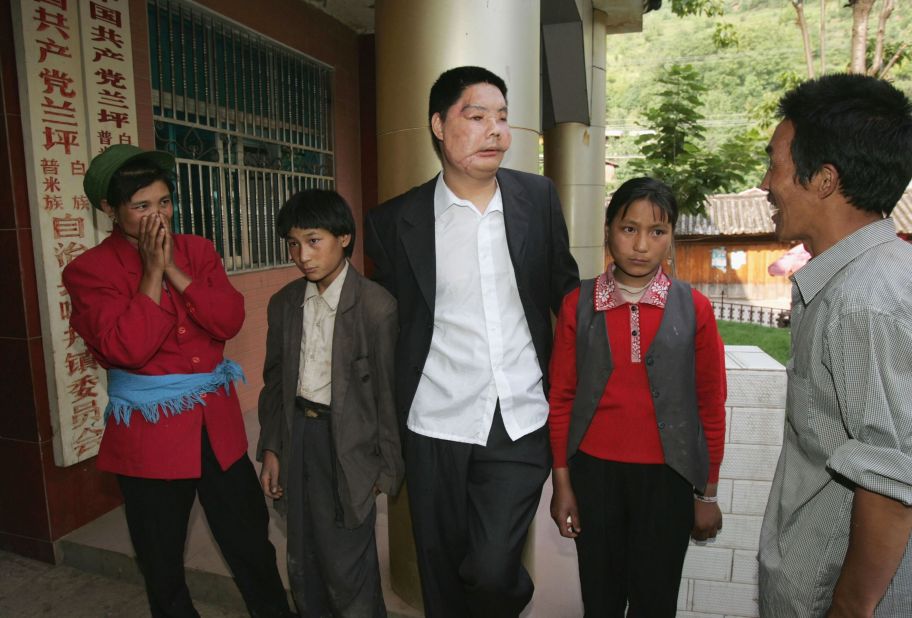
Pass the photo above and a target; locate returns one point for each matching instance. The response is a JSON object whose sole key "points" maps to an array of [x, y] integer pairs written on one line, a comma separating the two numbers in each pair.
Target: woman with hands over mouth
{"points": [[155, 309]]}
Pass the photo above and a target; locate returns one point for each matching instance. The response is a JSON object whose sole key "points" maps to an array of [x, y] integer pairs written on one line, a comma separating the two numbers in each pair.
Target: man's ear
{"points": [[437, 126], [827, 180], [345, 239]]}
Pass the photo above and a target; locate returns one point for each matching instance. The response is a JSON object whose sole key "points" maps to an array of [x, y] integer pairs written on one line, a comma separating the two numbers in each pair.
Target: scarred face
{"points": [[474, 135]]}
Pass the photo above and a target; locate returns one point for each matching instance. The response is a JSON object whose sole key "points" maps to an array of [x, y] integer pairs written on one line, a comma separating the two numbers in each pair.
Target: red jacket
{"points": [[186, 333]]}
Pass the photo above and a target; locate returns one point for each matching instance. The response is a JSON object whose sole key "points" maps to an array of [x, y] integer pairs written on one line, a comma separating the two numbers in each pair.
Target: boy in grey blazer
{"points": [[329, 439]]}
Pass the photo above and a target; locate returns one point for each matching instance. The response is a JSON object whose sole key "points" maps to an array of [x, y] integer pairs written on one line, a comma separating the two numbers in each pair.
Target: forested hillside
{"points": [[765, 48]]}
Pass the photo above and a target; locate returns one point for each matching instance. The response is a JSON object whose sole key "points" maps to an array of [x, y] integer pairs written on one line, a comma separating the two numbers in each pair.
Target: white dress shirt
{"points": [[481, 349], [315, 368]]}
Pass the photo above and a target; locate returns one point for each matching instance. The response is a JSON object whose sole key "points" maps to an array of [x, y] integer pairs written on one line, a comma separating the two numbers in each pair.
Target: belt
{"points": [[312, 409]]}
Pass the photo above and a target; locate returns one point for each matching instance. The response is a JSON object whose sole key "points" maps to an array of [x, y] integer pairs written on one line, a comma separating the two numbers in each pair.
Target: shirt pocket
{"points": [[798, 404]]}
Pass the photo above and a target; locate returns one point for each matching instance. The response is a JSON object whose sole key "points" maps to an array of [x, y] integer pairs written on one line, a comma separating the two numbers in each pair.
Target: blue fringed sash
{"points": [[172, 394]]}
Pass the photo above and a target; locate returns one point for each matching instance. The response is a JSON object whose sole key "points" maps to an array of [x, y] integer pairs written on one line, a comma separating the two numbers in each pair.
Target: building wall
{"points": [[315, 34], [41, 502], [750, 281]]}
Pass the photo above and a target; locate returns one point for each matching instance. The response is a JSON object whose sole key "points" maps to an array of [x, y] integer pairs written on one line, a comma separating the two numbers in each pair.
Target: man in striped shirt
{"points": [[836, 534]]}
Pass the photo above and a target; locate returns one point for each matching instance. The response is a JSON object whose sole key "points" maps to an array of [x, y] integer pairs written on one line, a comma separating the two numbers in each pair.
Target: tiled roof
{"points": [[749, 213]]}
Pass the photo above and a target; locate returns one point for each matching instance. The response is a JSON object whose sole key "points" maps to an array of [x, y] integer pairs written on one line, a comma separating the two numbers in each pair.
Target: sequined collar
{"points": [[607, 296]]}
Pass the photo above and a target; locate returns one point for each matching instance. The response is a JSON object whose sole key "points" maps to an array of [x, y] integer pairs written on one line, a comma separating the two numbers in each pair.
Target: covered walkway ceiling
{"points": [[359, 14]]}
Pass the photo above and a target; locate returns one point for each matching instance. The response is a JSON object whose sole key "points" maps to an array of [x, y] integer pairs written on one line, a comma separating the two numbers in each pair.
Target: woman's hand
{"points": [[176, 277], [167, 244], [563, 504], [151, 244], [269, 476]]}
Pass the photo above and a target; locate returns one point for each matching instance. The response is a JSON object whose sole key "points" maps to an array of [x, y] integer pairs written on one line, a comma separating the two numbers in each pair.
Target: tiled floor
{"points": [[32, 589]]}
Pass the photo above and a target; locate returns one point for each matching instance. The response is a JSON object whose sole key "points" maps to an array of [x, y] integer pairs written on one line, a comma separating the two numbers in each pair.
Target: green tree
{"points": [[764, 112], [710, 8], [871, 55], [674, 149]]}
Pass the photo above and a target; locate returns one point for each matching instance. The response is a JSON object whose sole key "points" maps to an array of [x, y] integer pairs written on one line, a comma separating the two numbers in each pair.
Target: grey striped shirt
{"points": [[848, 419]]}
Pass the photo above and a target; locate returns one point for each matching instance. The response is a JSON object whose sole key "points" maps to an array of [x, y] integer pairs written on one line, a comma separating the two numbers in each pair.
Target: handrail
{"points": [[752, 314]]}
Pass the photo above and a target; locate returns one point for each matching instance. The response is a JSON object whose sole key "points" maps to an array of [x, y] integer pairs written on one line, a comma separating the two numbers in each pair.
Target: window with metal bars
{"points": [[249, 121]]}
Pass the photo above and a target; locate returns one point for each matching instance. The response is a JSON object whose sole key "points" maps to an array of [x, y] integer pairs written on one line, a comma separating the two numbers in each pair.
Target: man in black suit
{"points": [[478, 258]]}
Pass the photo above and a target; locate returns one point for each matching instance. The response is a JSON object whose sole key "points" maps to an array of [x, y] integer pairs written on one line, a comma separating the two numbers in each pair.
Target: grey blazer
{"points": [[364, 426]]}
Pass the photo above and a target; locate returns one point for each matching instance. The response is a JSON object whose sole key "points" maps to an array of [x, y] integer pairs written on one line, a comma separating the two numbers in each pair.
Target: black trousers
{"points": [[333, 570], [158, 512], [471, 509], [636, 521]]}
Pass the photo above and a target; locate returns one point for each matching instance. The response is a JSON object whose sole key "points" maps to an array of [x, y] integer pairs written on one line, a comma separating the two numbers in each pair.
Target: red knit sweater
{"points": [[624, 425]]}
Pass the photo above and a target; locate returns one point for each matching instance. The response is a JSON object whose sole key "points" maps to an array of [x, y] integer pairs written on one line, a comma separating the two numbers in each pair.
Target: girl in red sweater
{"points": [[637, 415]]}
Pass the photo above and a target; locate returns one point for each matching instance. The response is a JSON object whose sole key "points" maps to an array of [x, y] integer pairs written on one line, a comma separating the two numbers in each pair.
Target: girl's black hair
{"points": [[644, 188]]}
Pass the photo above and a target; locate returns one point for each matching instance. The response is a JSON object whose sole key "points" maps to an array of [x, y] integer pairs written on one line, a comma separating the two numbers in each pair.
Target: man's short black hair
{"points": [[135, 176], [655, 191], [317, 209], [860, 125], [450, 86]]}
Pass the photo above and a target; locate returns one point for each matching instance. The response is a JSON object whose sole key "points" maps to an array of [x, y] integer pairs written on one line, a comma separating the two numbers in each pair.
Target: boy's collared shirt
{"points": [[315, 369]]}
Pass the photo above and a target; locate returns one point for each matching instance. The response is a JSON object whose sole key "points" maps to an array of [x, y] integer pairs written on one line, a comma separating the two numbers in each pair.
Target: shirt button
{"points": [[655, 394], [633, 307], [195, 360], [181, 330], [649, 361], [661, 425], [634, 333]]}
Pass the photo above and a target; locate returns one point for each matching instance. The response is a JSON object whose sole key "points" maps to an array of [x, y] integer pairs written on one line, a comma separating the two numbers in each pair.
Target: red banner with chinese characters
{"points": [[78, 97], [107, 60]]}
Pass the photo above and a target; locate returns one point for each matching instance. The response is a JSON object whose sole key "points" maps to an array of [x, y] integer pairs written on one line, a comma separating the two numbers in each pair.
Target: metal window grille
{"points": [[249, 122]]}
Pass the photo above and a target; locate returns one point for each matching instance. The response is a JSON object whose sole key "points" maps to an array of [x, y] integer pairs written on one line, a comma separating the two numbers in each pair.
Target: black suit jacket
{"points": [[399, 238]]}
